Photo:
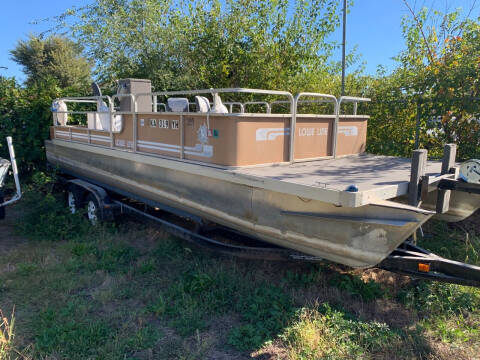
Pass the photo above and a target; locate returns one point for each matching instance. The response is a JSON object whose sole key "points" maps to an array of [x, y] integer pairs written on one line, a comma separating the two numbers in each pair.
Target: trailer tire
{"points": [[73, 202], [93, 209]]}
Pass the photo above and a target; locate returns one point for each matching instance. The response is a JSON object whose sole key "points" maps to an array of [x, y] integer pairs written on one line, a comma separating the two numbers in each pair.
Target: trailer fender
{"points": [[83, 188]]}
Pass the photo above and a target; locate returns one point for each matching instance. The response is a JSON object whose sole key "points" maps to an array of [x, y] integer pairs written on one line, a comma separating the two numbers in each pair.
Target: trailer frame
{"points": [[408, 259]]}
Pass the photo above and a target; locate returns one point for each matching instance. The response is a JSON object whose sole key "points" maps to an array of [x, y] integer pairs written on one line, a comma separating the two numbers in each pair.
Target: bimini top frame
{"points": [[292, 101]]}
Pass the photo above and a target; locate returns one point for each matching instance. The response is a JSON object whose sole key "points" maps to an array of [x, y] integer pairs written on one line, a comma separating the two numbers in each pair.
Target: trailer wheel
{"points": [[72, 201], [92, 209]]}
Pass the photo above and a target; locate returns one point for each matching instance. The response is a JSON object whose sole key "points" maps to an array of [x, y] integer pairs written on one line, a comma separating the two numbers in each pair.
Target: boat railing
{"points": [[292, 101], [230, 105], [155, 95], [268, 108], [156, 105], [80, 100], [300, 102], [110, 111], [325, 98], [344, 99]]}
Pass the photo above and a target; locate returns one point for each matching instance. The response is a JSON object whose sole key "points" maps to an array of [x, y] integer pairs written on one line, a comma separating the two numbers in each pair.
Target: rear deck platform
{"points": [[375, 176]]}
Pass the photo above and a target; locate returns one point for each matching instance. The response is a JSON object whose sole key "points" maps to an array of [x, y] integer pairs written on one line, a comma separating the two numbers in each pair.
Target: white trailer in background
{"points": [[4, 167]]}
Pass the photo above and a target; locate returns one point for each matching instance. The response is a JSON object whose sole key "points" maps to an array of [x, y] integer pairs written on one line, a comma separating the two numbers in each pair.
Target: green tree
{"points": [[55, 57], [25, 115], [210, 43], [437, 75]]}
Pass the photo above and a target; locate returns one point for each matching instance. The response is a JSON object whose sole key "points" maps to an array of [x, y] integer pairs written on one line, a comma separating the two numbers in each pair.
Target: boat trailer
{"points": [[408, 259]]}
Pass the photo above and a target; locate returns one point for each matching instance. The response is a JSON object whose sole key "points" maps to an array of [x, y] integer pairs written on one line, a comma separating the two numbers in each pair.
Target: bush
{"points": [[25, 115], [45, 215]]}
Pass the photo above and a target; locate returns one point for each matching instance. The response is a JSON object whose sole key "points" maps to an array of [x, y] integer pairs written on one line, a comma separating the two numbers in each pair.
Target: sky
{"points": [[374, 26]]}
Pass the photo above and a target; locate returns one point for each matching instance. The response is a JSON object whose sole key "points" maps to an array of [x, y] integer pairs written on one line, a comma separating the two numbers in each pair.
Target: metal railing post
{"points": [[134, 122], [293, 126], [340, 100], [110, 113], [182, 139], [335, 128], [330, 98]]}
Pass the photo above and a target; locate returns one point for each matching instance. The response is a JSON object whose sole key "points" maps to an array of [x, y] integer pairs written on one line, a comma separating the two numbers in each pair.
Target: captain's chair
{"points": [[177, 104], [202, 103]]}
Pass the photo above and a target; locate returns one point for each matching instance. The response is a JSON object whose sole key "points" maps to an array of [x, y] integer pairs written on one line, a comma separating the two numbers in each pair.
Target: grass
{"points": [[6, 334], [132, 292]]}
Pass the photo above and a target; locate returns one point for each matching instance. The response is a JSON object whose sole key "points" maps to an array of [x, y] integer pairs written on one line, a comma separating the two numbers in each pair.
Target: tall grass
{"points": [[6, 335]]}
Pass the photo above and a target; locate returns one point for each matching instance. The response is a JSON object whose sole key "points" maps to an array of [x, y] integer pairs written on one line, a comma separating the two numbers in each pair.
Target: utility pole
{"points": [[343, 44]]}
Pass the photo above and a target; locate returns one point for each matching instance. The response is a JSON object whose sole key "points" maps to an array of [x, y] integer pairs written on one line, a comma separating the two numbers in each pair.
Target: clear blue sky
{"points": [[373, 25]]}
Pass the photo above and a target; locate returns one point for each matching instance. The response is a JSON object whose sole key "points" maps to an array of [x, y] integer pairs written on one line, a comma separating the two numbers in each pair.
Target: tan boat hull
{"points": [[358, 237]]}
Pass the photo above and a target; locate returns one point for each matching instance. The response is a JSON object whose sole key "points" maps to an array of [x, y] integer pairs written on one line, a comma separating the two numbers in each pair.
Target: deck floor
{"points": [[366, 171]]}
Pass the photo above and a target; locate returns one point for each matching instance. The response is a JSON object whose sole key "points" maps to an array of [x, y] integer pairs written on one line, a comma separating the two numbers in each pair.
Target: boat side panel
{"points": [[262, 142], [352, 136], [227, 140], [313, 138]]}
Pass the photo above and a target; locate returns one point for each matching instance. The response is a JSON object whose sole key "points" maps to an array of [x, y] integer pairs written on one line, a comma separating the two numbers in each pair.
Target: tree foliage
{"points": [[25, 115], [211, 43], [437, 75], [55, 57]]}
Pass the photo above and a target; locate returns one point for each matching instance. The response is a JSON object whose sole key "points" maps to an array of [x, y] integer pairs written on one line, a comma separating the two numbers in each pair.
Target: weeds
{"points": [[45, 216], [265, 312], [329, 334], [354, 285], [6, 335]]}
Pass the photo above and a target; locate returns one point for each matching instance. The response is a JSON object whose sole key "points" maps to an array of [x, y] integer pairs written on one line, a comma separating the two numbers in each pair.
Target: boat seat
{"points": [[100, 120], [218, 106], [202, 104], [60, 118], [177, 104]]}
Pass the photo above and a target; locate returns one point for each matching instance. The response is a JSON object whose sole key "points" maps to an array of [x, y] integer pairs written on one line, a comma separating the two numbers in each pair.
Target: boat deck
{"points": [[376, 177], [369, 173]]}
